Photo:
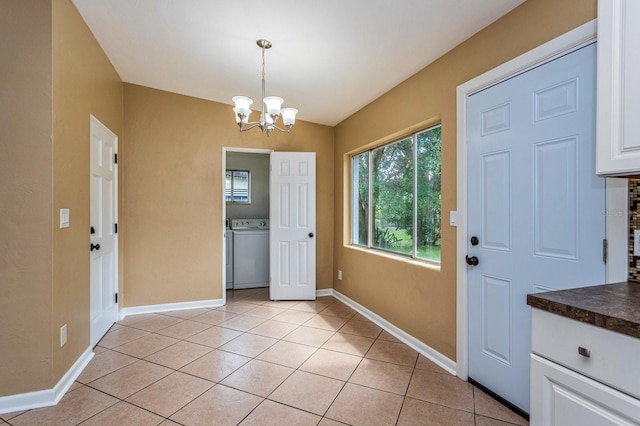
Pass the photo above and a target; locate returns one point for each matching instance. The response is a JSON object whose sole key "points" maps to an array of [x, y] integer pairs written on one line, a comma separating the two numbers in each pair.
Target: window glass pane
{"points": [[237, 186], [240, 186], [227, 185], [360, 199], [428, 198], [393, 197]]}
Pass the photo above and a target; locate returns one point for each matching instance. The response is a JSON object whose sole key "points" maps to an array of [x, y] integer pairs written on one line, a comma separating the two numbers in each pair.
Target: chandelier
{"points": [[271, 107]]}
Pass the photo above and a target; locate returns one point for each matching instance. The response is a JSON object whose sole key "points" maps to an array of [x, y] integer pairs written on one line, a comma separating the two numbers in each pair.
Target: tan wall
{"points": [[84, 83], [418, 299], [25, 196], [173, 193]]}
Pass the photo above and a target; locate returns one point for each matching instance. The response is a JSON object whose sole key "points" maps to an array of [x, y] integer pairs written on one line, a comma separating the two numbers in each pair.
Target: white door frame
{"points": [[225, 150], [616, 192]]}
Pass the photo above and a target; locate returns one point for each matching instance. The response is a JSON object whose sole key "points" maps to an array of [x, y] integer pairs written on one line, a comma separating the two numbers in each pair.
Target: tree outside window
{"points": [[396, 196]]}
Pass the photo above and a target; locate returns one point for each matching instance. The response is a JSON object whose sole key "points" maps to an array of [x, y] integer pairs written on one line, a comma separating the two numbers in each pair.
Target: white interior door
{"points": [[292, 217], [535, 206], [104, 237]]}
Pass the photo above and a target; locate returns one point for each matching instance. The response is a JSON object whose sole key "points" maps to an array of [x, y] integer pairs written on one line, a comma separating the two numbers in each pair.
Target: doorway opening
{"points": [[245, 202]]}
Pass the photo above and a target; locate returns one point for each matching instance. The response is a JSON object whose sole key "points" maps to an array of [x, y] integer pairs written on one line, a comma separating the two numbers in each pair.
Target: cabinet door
{"points": [[618, 128], [560, 396]]}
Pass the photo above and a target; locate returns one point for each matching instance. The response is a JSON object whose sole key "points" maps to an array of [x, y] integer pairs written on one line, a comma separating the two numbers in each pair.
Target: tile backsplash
{"points": [[634, 223]]}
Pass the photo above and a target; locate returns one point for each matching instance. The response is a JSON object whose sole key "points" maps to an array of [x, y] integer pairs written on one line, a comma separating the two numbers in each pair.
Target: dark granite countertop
{"points": [[615, 307]]}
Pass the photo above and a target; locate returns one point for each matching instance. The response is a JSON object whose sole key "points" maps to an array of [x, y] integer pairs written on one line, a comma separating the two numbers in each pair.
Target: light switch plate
{"points": [[64, 218], [453, 218], [636, 242]]}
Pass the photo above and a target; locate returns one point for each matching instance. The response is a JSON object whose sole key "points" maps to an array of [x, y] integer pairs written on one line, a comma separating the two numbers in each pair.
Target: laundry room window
{"points": [[395, 196], [237, 186]]}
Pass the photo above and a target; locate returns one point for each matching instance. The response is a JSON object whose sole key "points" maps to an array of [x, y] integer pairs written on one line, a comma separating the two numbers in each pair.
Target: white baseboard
{"points": [[324, 292], [166, 307], [435, 356], [48, 397], [45, 398]]}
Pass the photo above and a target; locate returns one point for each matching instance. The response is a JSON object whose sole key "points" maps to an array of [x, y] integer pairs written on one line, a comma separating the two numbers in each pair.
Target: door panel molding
{"points": [[293, 246], [103, 311], [616, 189]]}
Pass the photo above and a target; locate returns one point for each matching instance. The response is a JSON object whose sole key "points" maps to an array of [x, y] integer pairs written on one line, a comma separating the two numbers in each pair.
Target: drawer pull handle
{"points": [[584, 352]]}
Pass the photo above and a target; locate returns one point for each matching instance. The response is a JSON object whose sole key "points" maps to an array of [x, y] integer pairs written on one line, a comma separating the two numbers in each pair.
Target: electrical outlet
{"points": [[339, 274], [63, 335]]}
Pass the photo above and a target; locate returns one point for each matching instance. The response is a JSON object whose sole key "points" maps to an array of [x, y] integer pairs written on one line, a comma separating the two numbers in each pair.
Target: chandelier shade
{"points": [[271, 108]]}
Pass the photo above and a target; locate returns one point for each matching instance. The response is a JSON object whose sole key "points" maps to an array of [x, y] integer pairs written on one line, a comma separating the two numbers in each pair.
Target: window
{"points": [[395, 204], [237, 186]]}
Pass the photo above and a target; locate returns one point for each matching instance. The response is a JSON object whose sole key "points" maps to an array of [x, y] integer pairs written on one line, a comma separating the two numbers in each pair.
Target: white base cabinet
{"points": [[561, 397], [582, 374]]}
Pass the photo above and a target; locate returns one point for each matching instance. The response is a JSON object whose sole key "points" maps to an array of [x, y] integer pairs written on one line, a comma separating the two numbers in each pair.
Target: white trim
{"points": [[166, 307], [48, 397], [324, 292], [423, 349], [559, 46]]}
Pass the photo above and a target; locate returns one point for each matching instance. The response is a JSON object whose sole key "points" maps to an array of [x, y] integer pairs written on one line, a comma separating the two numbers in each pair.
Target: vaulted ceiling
{"points": [[329, 57]]}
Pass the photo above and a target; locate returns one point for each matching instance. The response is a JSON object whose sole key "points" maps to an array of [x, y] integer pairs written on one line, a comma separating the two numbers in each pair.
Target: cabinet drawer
{"points": [[561, 397], [614, 359]]}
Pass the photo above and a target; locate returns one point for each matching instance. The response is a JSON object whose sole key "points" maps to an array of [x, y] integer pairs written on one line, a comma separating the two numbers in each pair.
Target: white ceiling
{"points": [[329, 57]]}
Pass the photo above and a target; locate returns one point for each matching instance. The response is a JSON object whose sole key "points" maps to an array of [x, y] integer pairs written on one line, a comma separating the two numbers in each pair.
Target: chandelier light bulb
{"points": [[289, 116], [242, 104], [273, 104]]}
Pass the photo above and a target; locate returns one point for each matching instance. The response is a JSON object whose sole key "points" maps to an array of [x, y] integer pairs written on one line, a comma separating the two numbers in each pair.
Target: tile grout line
{"points": [[183, 338]]}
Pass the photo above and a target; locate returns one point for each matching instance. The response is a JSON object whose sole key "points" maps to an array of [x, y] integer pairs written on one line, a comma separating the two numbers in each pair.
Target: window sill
{"points": [[388, 255]]}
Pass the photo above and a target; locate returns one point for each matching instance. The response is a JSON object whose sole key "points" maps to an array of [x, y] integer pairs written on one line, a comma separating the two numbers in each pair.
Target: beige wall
{"points": [[173, 193], [25, 196], [84, 83], [54, 76], [416, 298]]}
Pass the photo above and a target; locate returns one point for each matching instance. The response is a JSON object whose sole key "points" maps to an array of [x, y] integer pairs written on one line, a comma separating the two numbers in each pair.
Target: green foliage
{"points": [[385, 238], [393, 194], [428, 187]]}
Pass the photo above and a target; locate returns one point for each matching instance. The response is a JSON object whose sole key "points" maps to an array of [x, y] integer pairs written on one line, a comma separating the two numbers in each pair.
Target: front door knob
{"points": [[472, 261], [95, 247], [310, 234]]}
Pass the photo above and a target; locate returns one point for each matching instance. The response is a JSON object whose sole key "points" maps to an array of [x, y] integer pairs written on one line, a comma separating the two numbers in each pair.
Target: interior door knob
{"points": [[95, 247], [472, 261], [310, 234]]}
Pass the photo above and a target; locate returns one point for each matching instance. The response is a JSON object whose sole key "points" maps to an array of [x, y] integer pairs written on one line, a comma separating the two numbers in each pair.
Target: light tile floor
{"points": [[257, 362]]}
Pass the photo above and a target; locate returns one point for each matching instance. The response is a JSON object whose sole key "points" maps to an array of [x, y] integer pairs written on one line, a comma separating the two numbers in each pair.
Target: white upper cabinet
{"points": [[618, 118]]}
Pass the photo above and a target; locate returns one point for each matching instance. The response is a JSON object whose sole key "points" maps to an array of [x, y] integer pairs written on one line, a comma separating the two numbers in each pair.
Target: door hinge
{"points": [[115, 158], [116, 227], [116, 297], [605, 250]]}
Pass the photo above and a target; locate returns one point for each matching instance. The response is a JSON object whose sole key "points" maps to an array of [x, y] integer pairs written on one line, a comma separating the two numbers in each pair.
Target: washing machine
{"points": [[250, 253]]}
